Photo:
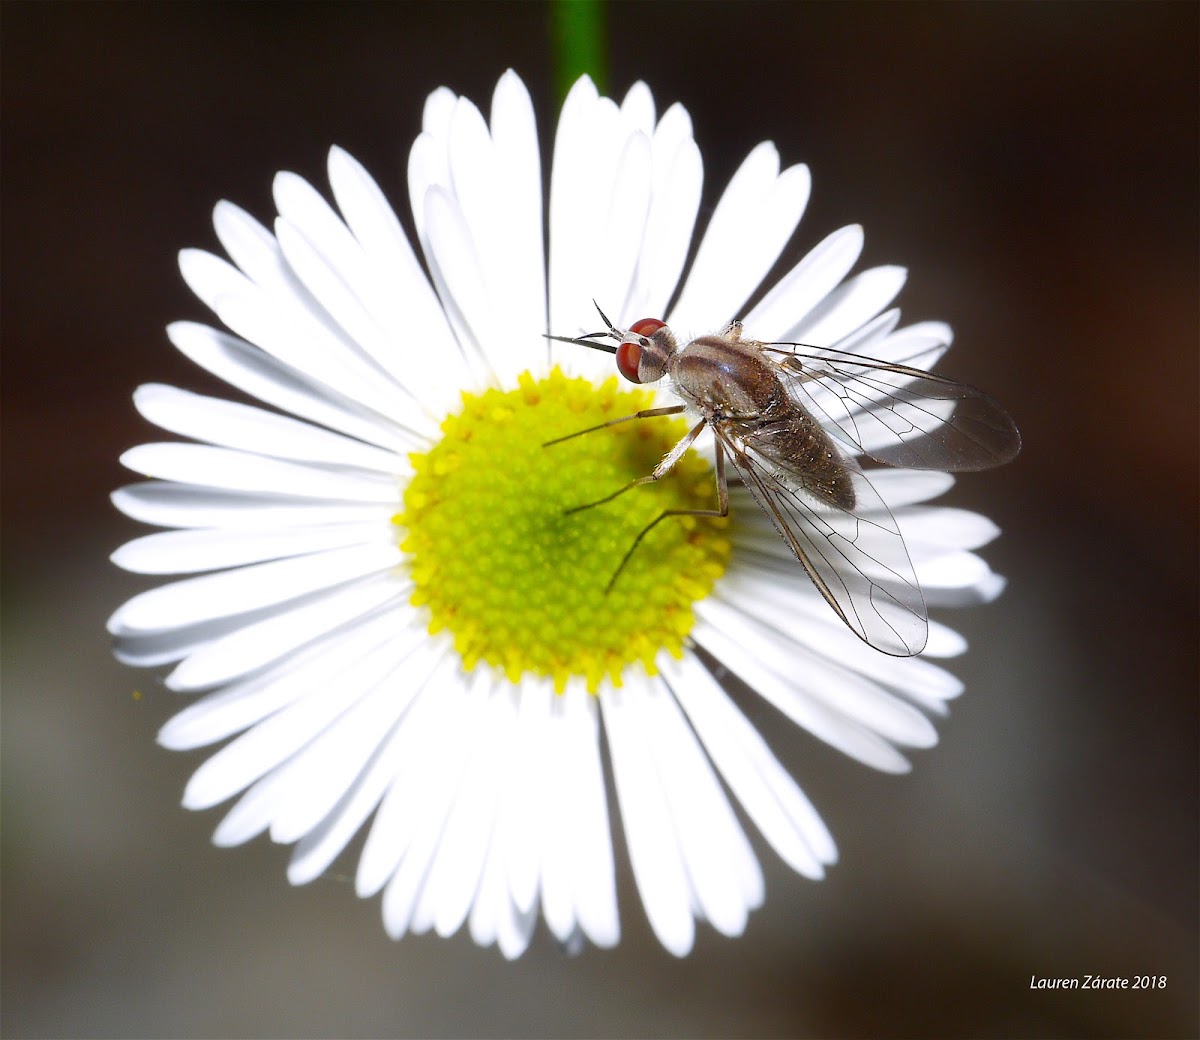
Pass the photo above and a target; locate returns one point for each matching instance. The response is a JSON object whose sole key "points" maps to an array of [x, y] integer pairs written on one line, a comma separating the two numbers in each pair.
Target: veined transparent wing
{"points": [[896, 414], [856, 558]]}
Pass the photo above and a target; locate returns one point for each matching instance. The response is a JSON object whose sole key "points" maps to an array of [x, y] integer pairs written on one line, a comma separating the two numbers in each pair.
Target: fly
{"points": [[792, 418]]}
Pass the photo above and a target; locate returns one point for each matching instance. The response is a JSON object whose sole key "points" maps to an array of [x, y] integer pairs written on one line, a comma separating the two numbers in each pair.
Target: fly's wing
{"points": [[896, 414], [855, 557]]}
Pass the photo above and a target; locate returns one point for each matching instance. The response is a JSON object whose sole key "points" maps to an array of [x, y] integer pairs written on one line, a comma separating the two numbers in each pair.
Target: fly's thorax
{"points": [[726, 378]]}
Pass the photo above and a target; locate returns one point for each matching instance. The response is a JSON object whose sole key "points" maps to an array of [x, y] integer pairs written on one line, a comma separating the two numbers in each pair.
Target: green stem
{"points": [[577, 42]]}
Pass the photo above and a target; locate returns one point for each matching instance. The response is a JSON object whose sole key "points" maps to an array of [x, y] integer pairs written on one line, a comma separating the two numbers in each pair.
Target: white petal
{"points": [[596, 158], [438, 108], [318, 849], [578, 883], [983, 590], [515, 929], [595, 895], [289, 332], [570, 218], [521, 814], [484, 920], [837, 684], [674, 202], [294, 288], [233, 708], [459, 274], [831, 726], [715, 852], [621, 248], [428, 167], [599, 238], [273, 285], [422, 791], [393, 313], [749, 228], [805, 285], [259, 750], [869, 340], [240, 591], [519, 171], [166, 504], [257, 645], [939, 569], [458, 868], [149, 650], [944, 641], [918, 346], [232, 425], [254, 250], [262, 376], [459, 738], [315, 852], [767, 599], [185, 552], [232, 470], [556, 824], [851, 304], [433, 365], [766, 791], [658, 868], [328, 285], [903, 487], [749, 580], [637, 108], [948, 528], [509, 326], [318, 775]]}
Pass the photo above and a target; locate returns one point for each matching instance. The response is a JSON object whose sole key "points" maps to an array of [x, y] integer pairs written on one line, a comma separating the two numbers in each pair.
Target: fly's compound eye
{"points": [[637, 340], [647, 326], [629, 356]]}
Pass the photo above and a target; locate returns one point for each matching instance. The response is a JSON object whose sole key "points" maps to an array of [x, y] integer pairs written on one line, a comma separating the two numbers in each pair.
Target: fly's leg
{"points": [[670, 460], [722, 498], [659, 471], [645, 413]]}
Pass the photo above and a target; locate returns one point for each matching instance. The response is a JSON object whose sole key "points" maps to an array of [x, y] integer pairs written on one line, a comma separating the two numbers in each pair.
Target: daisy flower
{"points": [[389, 616]]}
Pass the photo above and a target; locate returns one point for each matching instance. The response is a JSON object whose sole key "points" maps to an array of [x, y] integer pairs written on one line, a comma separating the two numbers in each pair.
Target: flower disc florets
{"points": [[520, 583]]}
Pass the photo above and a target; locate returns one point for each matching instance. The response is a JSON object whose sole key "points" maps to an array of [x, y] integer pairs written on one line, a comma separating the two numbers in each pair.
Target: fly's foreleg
{"points": [[659, 471], [645, 413]]}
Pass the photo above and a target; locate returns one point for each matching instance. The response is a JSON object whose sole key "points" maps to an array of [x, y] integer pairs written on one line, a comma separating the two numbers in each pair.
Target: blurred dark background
{"points": [[1035, 166]]}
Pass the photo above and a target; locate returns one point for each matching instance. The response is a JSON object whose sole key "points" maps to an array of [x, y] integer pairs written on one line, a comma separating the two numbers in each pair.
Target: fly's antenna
{"points": [[611, 328], [584, 341], [588, 339]]}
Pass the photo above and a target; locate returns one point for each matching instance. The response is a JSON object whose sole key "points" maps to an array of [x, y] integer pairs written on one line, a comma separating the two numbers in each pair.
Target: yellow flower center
{"points": [[519, 582]]}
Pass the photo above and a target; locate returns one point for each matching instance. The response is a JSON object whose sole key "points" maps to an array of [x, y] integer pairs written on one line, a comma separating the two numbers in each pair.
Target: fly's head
{"points": [[644, 351]]}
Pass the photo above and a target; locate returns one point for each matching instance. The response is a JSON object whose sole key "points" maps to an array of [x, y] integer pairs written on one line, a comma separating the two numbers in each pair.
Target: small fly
{"points": [[792, 418]]}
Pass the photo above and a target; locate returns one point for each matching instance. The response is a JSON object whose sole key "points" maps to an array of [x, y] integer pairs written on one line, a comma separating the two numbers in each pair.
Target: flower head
{"points": [[401, 617]]}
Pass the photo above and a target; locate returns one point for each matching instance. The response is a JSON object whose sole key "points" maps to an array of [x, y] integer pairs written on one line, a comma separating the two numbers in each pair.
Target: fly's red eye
{"points": [[629, 356], [647, 326]]}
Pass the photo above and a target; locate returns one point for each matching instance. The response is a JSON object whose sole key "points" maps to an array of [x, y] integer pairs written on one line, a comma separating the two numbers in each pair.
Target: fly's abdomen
{"points": [[805, 452]]}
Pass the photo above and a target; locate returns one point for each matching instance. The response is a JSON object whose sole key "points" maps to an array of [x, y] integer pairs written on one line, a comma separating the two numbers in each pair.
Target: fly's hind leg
{"points": [[659, 471], [674, 456]]}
